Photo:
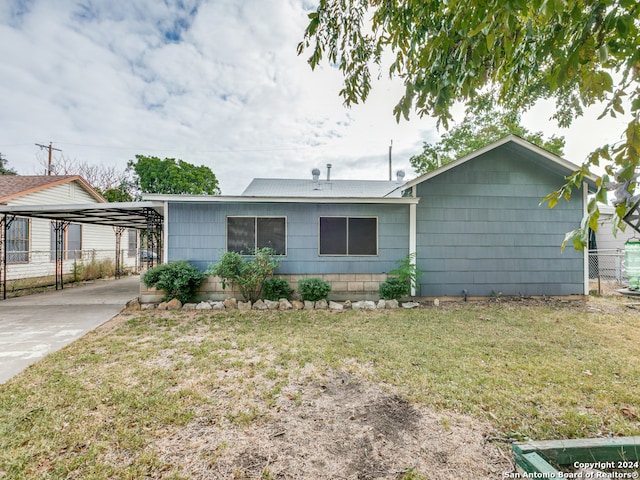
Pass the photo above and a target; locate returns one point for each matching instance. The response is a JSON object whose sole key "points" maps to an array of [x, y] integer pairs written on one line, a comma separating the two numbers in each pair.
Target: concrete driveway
{"points": [[33, 326]]}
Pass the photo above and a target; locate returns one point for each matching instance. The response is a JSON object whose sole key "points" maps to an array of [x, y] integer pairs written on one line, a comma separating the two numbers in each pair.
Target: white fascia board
{"points": [[509, 138], [246, 199]]}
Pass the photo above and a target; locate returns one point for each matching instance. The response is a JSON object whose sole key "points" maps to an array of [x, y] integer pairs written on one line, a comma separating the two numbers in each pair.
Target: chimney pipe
{"points": [[328, 172]]}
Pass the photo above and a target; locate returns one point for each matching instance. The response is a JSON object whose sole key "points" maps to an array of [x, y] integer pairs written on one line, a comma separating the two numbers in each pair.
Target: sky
{"points": [[212, 82]]}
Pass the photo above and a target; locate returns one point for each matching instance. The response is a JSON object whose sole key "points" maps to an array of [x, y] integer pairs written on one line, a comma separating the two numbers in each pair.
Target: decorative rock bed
{"points": [[282, 305]]}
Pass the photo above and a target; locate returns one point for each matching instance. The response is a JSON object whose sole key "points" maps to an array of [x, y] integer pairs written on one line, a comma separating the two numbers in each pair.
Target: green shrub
{"points": [[394, 288], [276, 288], [178, 279], [401, 279], [313, 289], [248, 275]]}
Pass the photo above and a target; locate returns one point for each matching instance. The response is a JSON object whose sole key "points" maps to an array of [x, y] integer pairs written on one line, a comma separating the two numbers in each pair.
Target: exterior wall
{"points": [[197, 232], [480, 229]]}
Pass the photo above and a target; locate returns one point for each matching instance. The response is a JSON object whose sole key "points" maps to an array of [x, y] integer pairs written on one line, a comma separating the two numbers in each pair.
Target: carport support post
{"points": [[59, 227], [3, 256], [118, 231], [5, 224]]}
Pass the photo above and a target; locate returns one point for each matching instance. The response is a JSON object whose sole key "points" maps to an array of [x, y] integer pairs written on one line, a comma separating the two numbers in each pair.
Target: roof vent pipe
{"points": [[400, 176], [328, 172], [315, 173]]}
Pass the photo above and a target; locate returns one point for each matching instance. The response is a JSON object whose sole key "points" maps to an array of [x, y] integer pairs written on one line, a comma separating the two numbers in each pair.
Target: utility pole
{"points": [[51, 149]]}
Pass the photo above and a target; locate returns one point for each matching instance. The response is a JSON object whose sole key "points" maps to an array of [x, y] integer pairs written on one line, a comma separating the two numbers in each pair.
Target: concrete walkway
{"points": [[33, 326]]}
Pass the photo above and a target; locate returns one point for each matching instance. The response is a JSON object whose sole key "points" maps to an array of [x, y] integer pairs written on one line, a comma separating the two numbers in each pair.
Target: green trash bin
{"points": [[632, 263]]}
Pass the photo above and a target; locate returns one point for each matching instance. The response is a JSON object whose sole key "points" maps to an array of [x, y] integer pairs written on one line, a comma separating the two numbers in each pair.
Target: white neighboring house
{"points": [[30, 242]]}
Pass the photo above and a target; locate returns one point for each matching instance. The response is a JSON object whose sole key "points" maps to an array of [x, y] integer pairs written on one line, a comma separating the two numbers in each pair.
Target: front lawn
{"points": [[411, 394]]}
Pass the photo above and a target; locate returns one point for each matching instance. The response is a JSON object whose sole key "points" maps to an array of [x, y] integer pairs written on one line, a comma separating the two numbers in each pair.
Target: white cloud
{"points": [[211, 82]]}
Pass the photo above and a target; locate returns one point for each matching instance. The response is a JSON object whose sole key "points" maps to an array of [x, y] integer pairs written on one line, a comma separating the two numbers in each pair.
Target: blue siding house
{"points": [[475, 226]]}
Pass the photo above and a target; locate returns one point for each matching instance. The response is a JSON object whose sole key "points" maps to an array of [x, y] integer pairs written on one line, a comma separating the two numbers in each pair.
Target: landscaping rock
{"points": [[410, 305], [297, 305], [244, 306], [391, 304], [174, 304], [162, 306], [285, 304], [148, 306], [217, 305], [271, 304], [309, 305], [134, 304], [382, 304], [347, 304], [322, 304], [189, 306], [335, 306], [230, 303], [203, 306], [259, 305], [436, 302], [364, 305]]}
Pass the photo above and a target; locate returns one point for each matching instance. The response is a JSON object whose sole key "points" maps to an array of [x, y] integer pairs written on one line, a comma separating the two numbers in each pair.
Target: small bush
{"points": [[401, 279], [248, 275], [313, 289], [394, 288], [178, 279], [276, 288]]}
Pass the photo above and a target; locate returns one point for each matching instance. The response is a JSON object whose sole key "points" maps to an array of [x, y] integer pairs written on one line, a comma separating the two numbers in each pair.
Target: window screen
{"points": [[271, 233], [74, 241], [245, 234], [18, 241], [333, 236], [363, 236], [348, 236]]}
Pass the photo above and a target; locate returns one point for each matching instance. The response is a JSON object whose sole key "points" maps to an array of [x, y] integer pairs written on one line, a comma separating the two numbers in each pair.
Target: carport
{"points": [[146, 217]]}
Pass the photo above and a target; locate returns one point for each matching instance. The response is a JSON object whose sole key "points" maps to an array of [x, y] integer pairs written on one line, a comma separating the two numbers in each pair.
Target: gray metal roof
{"points": [[275, 187], [120, 214]]}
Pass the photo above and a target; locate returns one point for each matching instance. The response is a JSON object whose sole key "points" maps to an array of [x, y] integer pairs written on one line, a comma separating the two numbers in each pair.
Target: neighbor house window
{"points": [[348, 236], [18, 241], [245, 234], [132, 243], [71, 241]]}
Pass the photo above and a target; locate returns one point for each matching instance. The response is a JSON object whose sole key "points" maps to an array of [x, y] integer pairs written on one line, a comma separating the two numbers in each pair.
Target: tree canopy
{"points": [[482, 125], [3, 169], [580, 53], [171, 176]]}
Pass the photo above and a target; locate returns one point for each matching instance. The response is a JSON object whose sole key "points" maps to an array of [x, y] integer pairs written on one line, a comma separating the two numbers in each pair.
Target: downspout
{"points": [[413, 240], [165, 233], [585, 211]]}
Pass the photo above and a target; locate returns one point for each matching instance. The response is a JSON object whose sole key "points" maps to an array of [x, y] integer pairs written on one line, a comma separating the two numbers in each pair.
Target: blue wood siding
{"points": [[480, 229], [197, 232]]}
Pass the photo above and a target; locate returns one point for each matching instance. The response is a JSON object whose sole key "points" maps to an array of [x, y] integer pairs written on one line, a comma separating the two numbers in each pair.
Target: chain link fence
{"points": [[606, 269], [35, 268]]}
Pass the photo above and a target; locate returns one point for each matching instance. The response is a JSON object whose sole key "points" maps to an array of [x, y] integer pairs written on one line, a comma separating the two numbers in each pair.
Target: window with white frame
{"points": [[18, 241], [348, 236], [245, 234]]}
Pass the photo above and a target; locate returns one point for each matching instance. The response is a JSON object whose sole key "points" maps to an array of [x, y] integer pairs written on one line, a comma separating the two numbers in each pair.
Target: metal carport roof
{"points": [[119, 214]]}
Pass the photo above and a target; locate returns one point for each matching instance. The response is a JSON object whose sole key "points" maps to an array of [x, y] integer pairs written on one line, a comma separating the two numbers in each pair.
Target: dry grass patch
{"points": [[292, 395]]}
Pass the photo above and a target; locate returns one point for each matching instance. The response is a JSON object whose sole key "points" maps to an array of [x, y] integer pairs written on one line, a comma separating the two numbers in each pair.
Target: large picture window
{"points": [[348, 236], [18, 241], [245, 234]]}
